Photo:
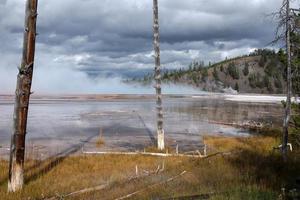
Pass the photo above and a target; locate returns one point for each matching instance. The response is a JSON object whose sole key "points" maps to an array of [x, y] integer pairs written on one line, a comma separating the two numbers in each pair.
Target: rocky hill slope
{"points": [[259, 72]]}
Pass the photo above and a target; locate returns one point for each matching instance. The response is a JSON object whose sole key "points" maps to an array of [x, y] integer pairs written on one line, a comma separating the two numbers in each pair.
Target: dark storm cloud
{"points": [[126, 25], [77, 36]]}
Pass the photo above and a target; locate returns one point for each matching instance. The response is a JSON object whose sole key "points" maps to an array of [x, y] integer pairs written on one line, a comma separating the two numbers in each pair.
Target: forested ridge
{"points": [[262, 71]]}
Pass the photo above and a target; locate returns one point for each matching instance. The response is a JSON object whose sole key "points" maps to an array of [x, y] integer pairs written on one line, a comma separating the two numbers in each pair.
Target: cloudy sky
{"points": [[112, 39]]}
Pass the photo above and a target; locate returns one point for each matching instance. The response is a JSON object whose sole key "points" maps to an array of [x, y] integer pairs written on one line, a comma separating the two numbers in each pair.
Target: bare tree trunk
{"points": [[24, 79], [160, 131], [289, 84]]}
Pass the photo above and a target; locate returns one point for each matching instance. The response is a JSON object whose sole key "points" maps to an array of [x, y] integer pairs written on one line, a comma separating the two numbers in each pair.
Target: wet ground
{"points": [[62, 125]]}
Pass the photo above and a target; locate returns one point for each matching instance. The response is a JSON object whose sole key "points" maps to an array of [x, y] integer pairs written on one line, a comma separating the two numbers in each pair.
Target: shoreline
{"points": [[246, 97]]}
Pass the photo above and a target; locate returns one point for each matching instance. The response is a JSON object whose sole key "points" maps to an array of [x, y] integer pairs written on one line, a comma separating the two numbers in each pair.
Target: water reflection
{"points": [[129, 124]]}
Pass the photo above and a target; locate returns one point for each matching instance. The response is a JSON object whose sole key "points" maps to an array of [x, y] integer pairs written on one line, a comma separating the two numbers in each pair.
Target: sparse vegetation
{"points": [[222, 68], [266, 81], [233, 71], [254, 80], [204, 74], [278, 83], [246, 69], [215, 74], [263, 60]]}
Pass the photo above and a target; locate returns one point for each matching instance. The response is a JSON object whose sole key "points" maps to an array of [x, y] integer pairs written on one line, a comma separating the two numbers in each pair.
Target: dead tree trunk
{"points": [[289, 84], [24, 79], [160, 131]]}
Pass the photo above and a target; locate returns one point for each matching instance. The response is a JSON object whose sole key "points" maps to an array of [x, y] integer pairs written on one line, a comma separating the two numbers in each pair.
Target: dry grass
{"points": [[100, 141], [153, 149], [260, 143], [253, 171]]}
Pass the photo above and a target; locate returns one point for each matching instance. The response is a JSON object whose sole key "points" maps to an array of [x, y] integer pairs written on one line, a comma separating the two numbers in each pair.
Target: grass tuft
{"points": [[100, 140]]}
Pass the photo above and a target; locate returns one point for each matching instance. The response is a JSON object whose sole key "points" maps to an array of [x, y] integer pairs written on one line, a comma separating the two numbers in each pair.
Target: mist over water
{"points": [[67, 81]]}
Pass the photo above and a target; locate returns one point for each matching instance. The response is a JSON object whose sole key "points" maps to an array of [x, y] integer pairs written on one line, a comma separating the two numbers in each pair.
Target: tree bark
{"points": [[160, 131], [24, 80], [289, 85]]}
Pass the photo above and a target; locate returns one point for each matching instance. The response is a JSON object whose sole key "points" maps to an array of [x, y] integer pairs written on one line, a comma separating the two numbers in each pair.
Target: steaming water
{"points": [[61, 125]]}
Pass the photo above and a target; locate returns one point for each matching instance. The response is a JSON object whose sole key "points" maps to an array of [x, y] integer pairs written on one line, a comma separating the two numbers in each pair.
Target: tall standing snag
{"points": [[289, 83], [283, 32], [24, 80], [160, 131]]}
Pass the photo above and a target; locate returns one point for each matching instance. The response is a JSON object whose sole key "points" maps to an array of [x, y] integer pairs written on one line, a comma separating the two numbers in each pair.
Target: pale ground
{"points": [[258, 98]]}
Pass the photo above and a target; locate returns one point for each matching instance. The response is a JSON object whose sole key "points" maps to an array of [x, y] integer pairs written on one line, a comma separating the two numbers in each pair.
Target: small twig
{"points": [[146, 173], [157, 170], [136, 170], [163, 167], [198, 152]]}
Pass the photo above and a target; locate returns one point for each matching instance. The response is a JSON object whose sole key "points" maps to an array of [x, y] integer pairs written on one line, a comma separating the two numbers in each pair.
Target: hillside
{"points": [[258, 72]]}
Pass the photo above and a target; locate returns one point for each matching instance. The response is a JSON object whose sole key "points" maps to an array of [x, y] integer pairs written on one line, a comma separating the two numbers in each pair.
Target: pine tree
{"points": [[236, 87]]}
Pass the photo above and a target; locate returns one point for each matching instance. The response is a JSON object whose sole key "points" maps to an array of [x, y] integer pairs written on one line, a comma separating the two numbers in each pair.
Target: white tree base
{"points": [[160, 139], [17, 179]]}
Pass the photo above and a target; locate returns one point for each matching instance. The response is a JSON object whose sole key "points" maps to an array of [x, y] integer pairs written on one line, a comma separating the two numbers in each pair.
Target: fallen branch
{"points": [[199, 196], [92, 189], [160, 154], [197, 152], [151, 186], [143, 153], [218, 153], [86, 190]]}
